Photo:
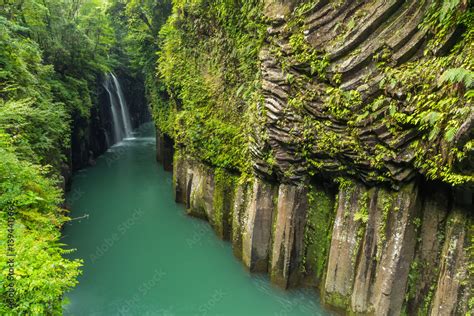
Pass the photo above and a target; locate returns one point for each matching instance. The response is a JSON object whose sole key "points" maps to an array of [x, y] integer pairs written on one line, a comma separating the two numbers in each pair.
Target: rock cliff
{"points": [[359, 146], [369, 250]]}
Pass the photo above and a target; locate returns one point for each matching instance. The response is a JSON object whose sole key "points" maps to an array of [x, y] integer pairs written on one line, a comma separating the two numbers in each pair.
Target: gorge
{"points": [[329, 143], [152, 259]]}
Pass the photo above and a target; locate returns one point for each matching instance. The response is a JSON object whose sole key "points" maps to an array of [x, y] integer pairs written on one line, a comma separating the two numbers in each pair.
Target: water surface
{"points": [[144, 256]]}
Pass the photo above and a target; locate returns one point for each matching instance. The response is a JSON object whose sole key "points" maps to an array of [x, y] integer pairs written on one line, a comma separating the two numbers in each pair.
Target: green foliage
{"points": [[41, 274], [27, 109], [458, 75], [430, 97], [36, 129], [52, 54], [208, 61], [437, 108], [443, 17], [224, 185], [318, 231]]}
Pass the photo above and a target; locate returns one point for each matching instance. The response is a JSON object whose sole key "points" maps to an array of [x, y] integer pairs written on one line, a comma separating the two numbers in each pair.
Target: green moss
{"points": [[362, 213], [385, 202], [413, 279], [223, 199], [362, 216], [337, 300], [29, 199], [212, 79], [318, 231]]}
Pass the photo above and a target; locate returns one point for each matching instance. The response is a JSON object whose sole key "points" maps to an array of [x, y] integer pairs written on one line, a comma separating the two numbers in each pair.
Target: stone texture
{"points": [[179, 179], [454, 286], [164, 150], [223, 203], [241, 201], [397, 252], [200, 191], [256, 239], [193, 184], [436, 205], [367, 262], [352, 35], [345, 246], [278, 9], [370, 255], [288, 235]]}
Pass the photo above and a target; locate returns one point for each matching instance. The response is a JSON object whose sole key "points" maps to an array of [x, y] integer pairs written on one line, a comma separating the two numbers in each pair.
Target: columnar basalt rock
{"points": [[326, 104], [288, 235], [338, 198], [345, 245], [223, 203], [180, 168], [387, 250], [200, 191], [241, 201], [454, 285], [427, 255], [257, 229], [396, 251], [369, 252], [164, 150], [372, 248]]}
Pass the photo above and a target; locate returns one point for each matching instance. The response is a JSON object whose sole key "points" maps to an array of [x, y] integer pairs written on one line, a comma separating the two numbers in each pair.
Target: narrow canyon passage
{"points": [[144, 256], [325, 147]]}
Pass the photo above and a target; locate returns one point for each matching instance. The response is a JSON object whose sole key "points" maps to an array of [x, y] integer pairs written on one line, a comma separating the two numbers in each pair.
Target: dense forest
{"points": [[54, 54], [337, 97]]}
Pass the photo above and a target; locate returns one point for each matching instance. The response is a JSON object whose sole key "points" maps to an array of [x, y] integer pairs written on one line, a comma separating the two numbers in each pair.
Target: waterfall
{"points": [[115, 119], [123, 107], [120, 115]]}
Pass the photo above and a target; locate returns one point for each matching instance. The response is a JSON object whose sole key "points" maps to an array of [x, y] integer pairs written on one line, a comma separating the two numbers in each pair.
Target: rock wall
{"points": [[134, 91], [368, 250], [328, 107], [90, 138], [354, 189]]}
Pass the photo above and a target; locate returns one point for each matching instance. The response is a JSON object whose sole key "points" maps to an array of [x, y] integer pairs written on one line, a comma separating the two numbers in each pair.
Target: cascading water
{"points": [[120, 115], [123, 107], [115, 118]]}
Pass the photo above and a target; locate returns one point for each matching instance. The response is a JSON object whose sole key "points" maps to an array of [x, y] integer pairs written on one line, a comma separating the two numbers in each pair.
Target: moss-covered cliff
{"points": [[377, 91], [330, 141]]}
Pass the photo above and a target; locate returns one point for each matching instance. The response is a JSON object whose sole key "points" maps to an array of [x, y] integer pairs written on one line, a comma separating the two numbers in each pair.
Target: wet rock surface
{"points": [[389, 251], [336, 200], [301, 129]]}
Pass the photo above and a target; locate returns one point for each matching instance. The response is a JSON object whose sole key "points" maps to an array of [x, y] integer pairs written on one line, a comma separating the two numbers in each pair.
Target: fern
{"points": [[432, 117], [458, 75], [450, 133], [448, 7]]}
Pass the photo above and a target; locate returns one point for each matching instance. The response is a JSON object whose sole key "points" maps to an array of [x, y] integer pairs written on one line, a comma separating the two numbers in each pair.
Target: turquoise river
{"points": [[144, 256]]}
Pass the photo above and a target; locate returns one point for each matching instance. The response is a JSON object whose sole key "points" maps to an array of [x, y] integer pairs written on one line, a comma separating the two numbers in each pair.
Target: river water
{"points": [[144, 256]]}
